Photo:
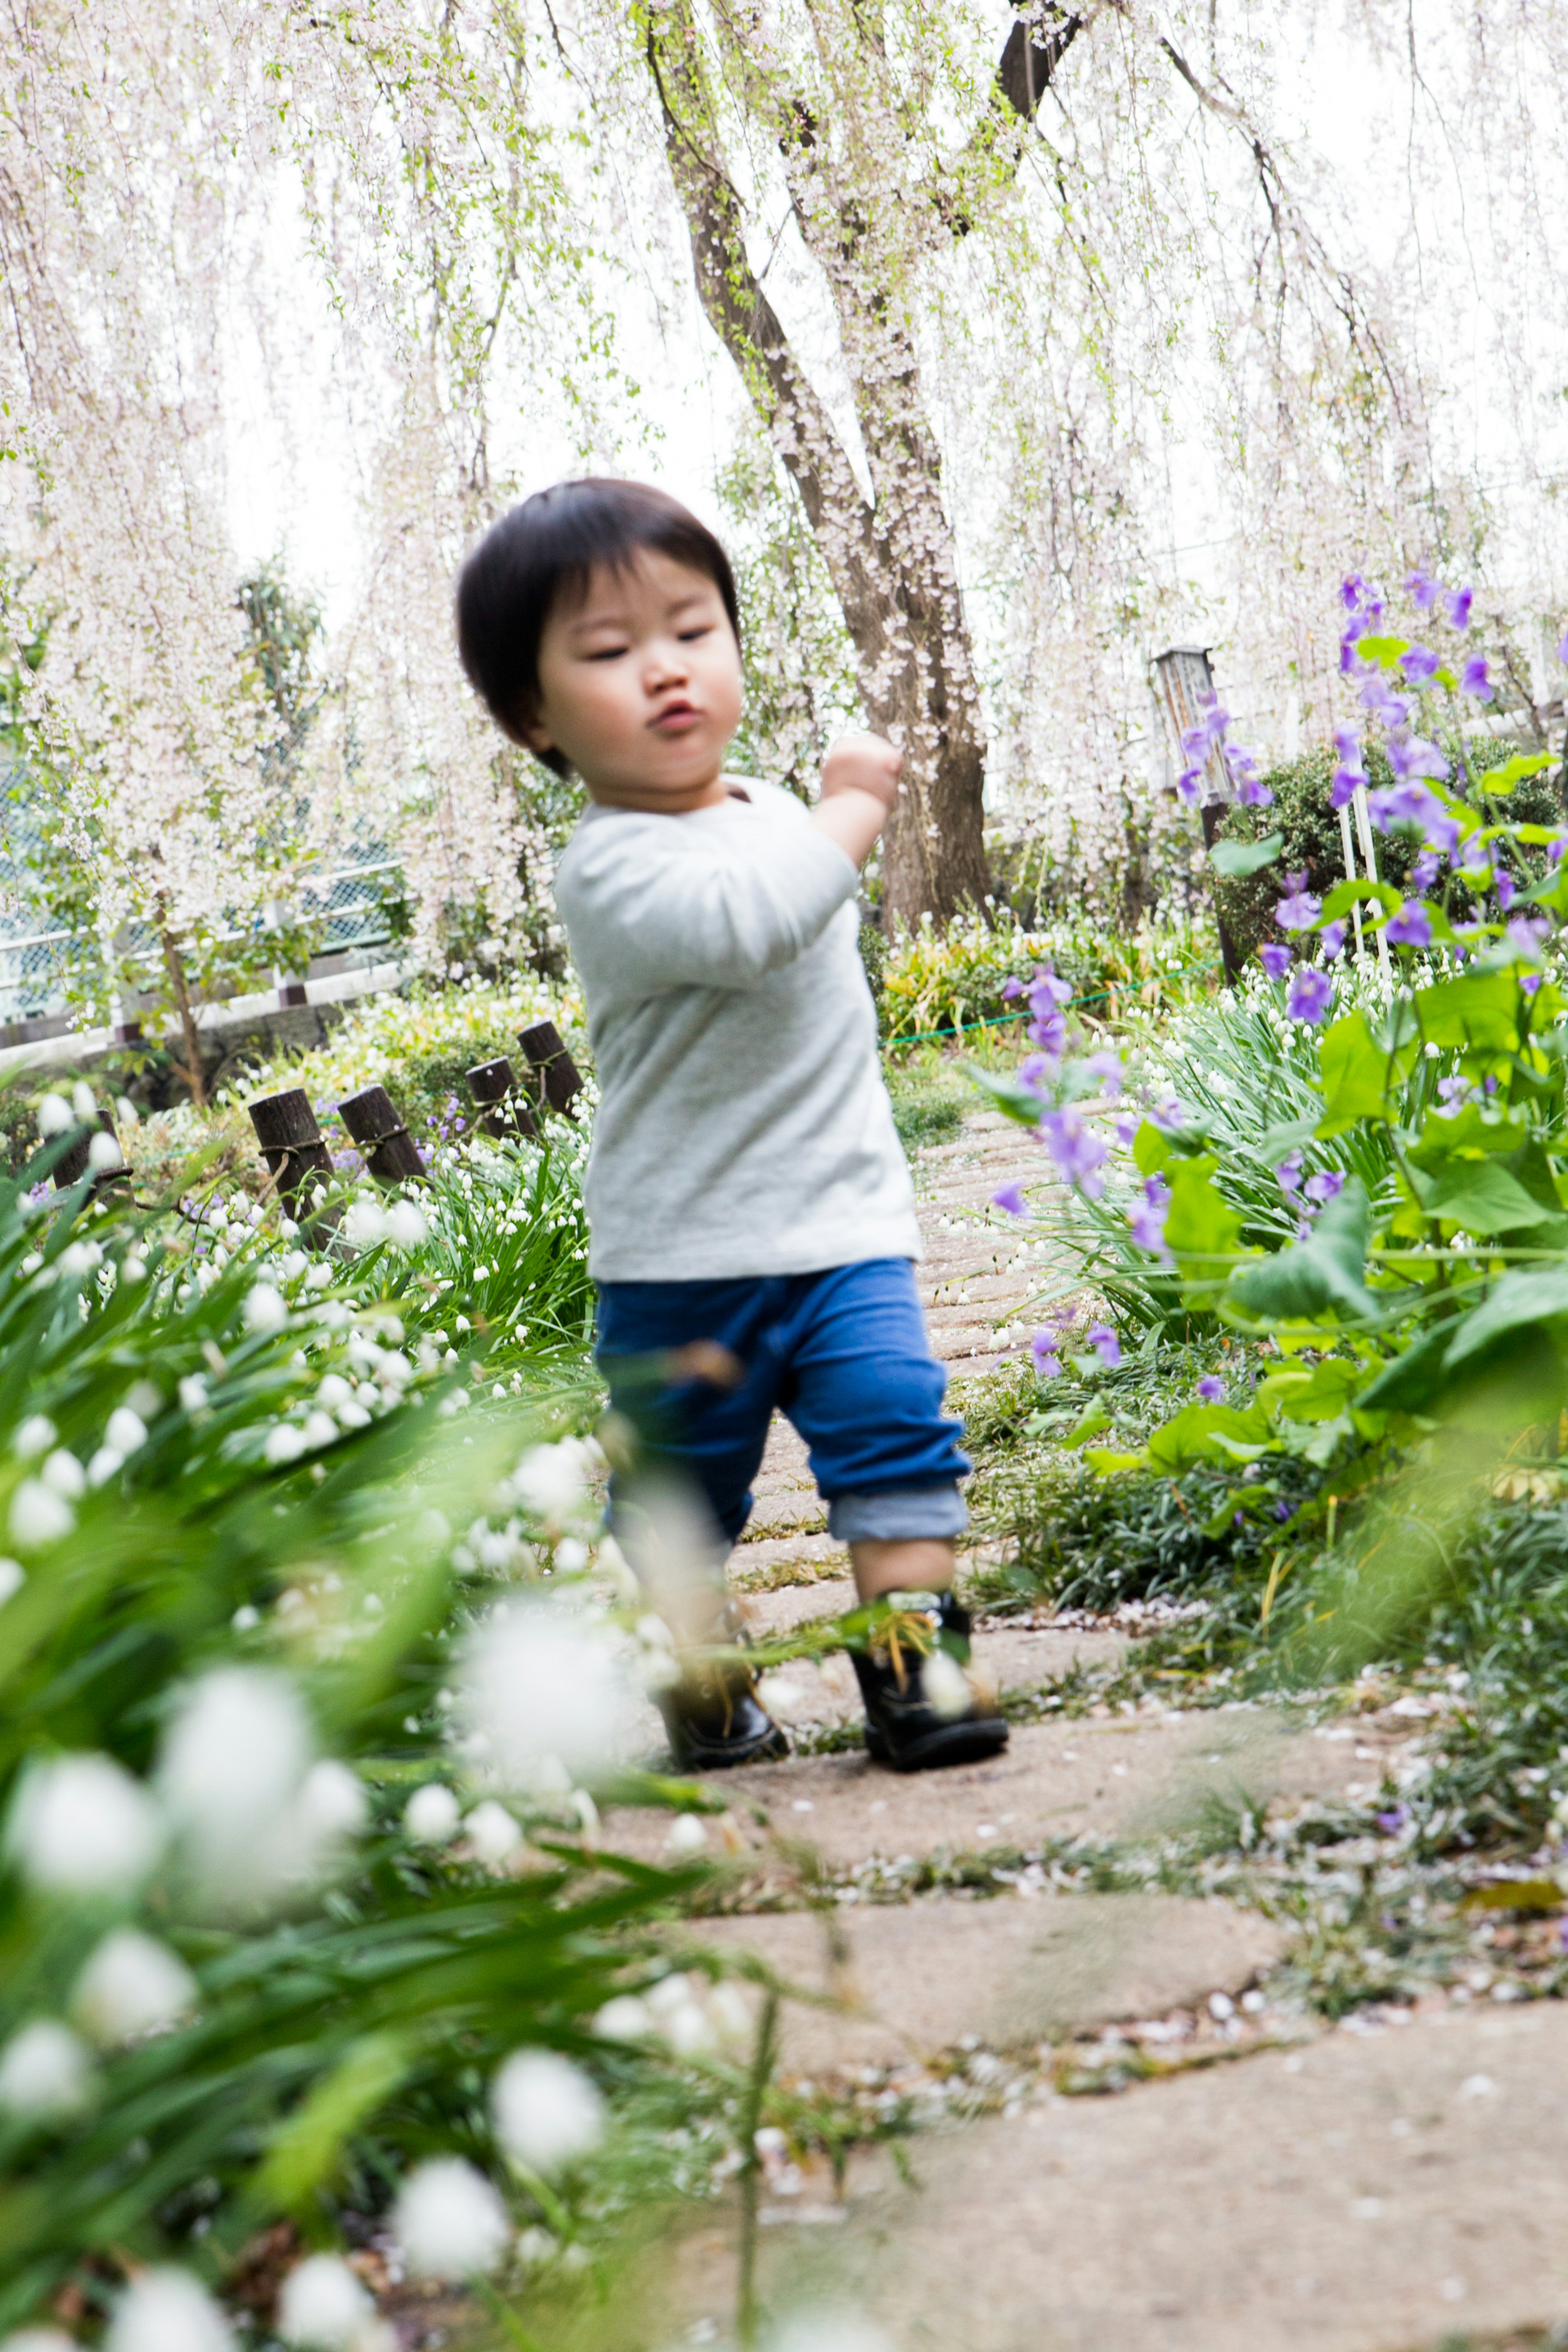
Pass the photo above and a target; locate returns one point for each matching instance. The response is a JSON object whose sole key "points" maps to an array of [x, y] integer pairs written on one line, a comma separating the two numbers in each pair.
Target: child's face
{"points": [[641, 686]]}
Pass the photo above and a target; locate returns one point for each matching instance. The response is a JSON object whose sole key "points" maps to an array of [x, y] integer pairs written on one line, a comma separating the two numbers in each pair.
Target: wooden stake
{"points": [[556, 1077], [390, 1152]]}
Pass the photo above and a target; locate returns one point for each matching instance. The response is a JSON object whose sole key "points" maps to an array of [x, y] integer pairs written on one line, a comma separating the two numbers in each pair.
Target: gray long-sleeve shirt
{"points": [[743, 1128]]}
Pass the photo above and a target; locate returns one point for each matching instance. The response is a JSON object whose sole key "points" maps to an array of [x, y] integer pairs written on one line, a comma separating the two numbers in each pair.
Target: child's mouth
{"points": [[677, 719]]}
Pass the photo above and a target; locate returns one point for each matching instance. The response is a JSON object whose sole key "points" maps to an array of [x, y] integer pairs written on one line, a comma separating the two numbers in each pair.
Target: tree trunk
{"points": [[893, 562], [192, 1073]]}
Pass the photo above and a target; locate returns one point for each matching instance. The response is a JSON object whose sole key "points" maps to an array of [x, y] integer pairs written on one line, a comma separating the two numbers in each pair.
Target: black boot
{"points": [[903, 1729], [715, 1718]]}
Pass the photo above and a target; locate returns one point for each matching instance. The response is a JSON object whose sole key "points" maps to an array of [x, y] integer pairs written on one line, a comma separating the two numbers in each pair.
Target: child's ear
{"points": [[530, 733]]}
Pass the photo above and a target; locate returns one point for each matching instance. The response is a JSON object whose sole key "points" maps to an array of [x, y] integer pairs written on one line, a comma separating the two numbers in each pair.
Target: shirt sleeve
{"points": [[652, 914]]}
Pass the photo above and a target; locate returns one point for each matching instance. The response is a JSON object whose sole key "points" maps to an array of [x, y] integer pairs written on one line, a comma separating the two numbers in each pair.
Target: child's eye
{"points": [[703, 629], [606, 653]]}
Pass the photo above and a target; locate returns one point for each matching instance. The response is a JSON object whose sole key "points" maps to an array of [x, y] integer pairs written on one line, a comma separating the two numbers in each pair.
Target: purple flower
{"points": [[1332, 936], [1407, 803], [1289, 1172], [1047, 991], [1347, 743], [1251, 791], [1049, 1032], [1342, 786], [1442, 832], [1010, 988], [1477, 857], [1326, 1185], [1419, 663], [1075, 1152], [1459, 603], [1189, 786], [1526, 933], [1105, 1344], [1281, 1510], [1421, 588], [1300, 910], [1555, 849], [1275, 960], [1563, 646], [1127, 1133], [1394, 1820], [1352, 590], [1474, 679], [1009, 1197], [1507, 891], [1167, 1114], [1311, 994], [1211, 1388], [1530, 983], [1412, 755], [1454, 1091], [1147, 1216], [1043, 1348], [1423, 873], [1035, 1070], [1107, 1067], [1411, 928]]}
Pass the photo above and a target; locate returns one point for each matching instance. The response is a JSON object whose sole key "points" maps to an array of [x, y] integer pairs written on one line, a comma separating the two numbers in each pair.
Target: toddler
{"points": [[752, 1218]]}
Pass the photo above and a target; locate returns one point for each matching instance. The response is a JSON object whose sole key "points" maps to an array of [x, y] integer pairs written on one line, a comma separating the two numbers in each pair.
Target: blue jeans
{"points": [[843, 1353]]}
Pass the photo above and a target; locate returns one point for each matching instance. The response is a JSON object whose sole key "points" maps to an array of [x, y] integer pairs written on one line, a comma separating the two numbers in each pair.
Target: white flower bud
{"points": [[84, 1102], [548, 2113], [103, 1153], [332, 1801], [39, 1515], [365, 1223], [126, 1430], [38, 2339], [323, 2306], [729, 2014], [12, 1576], [192, 1392], [431, 1814], [405, 1225], [827, 2332], [45, 2071], [233, 1756], [320, 1430], [64, 1474], [539, 1683], [168, 2311], [82, 1825], [284, 1442], [266, 1309], [132, 1985], [34, 1436], [55, 1114], [625, 2019], [450, 2221], [103, 1466], [492, 1833], [688, 1834], [334, 1392], [944, 1686]]}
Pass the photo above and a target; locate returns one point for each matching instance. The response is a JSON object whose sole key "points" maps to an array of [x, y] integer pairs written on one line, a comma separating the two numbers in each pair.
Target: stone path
{"points": [[1260, 2181]]}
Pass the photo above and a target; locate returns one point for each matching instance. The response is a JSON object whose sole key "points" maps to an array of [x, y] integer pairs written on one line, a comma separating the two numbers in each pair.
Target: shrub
{"points": [[946, 981]]}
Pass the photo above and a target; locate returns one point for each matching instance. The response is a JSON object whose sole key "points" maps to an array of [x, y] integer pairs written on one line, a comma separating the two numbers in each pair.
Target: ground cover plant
{"points": [[1329, 1250], [310, 1950], [971, 971]]}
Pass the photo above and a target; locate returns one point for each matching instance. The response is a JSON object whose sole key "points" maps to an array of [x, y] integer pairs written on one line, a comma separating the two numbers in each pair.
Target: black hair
{"points": [[544, 549]]}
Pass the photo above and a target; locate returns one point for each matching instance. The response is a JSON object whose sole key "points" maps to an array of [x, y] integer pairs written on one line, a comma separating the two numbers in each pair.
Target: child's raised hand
{"points": [[863, 763]]}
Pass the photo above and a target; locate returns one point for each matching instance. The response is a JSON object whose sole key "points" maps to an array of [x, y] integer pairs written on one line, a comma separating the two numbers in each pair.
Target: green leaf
{"points": [[1235, 858], [1346, 894], [1482, 1196], [1091, 1422], [1500, 782], [1316, 1277], [1200, 1222], [1289, 1136], [1209, 1432], [1384, 651], [1105, 1463], [1475, 1133], [306, 2148], [1519, 1301], [1359, 1074], [1015, 1101], [1412, 1382]]}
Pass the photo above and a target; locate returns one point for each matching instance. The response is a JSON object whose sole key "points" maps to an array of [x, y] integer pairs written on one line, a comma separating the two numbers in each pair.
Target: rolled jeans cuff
{"points": [[899, 1514]]}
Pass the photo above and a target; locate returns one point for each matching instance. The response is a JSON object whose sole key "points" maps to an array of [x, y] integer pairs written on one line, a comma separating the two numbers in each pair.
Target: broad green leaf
{"points": [[1500, 782], [1105, 1462], [1200, 1222], [1316, 1277], [1383, 651], [1357, 1074], [1209, 1432], [1483, 1197], [1289, 1136], [1346, 894], [1013, 1100], [1474, 1133], [1090, 1423], [1324, 1393], [1519, 1301], [1412, 1382], [1237, 858]]}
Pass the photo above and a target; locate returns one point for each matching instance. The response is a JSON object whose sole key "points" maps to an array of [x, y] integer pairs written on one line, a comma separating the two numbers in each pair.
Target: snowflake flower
{"points": [[548, 2113]]}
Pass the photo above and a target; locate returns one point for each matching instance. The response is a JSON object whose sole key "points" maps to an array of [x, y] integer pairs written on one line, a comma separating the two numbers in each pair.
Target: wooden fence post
{"points": [[291, 1144], [556, 1077], [502, 1111], [390, 1152]]}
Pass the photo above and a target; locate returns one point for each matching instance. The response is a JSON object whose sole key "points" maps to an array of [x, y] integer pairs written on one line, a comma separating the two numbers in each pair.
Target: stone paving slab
{"points": [[1112, 1777], [915, 1979], [1376, 2193]]}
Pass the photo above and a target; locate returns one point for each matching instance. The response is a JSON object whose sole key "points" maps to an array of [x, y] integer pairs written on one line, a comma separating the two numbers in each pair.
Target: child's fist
{"points": [[863, 763]]}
